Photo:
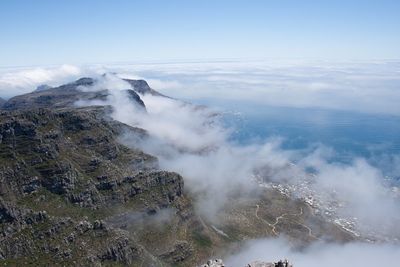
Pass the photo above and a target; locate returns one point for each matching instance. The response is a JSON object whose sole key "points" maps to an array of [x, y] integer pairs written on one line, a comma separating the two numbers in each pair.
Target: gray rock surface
{"points": [[60, 166]]}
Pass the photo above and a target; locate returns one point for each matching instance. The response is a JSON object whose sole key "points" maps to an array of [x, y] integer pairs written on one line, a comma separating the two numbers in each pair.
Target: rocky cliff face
{"points": [[61, 172]]}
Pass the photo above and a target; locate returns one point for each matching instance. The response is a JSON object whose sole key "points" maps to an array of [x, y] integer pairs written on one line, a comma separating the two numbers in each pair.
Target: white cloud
{"points": [[191, 141], [372, 87], [22, 81]]}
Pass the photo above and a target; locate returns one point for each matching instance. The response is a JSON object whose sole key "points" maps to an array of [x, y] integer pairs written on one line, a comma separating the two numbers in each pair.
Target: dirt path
{"points": [[277, 219], [261, 219]]}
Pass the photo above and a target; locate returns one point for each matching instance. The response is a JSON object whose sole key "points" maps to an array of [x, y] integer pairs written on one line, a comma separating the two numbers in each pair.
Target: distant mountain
{"points": [[2, 101], [67, 95]]}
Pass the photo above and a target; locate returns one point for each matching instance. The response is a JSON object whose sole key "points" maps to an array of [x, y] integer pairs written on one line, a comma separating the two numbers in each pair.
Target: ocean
{"points": [[374, 137]]}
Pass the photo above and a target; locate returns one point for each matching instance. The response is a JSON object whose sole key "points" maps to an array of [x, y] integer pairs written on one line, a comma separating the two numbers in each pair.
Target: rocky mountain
{"points": [[71, 194], [58, 176]]}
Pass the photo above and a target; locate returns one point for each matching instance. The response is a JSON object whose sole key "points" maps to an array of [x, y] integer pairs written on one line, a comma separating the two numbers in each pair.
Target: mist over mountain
{"points": [[145, 178], [200, 133]]}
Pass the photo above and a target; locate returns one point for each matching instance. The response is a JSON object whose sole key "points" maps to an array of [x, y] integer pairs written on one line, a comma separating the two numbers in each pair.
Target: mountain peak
{"points": [[142, 87], [84, 81]]}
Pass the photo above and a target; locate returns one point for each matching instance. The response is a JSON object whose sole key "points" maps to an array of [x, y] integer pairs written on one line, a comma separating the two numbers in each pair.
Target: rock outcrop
{"points": [[213, 263], [220, 263]]}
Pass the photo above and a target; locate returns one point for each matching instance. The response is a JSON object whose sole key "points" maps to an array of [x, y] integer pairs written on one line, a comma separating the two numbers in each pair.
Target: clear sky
{"points": [[35, 32]]}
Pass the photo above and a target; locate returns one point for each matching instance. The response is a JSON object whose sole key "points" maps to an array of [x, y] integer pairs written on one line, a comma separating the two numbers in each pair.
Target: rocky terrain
{"points": [[72, 194]]}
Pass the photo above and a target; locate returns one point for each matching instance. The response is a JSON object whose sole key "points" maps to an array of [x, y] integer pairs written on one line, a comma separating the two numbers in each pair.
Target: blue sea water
{"points": [[374, 137]]}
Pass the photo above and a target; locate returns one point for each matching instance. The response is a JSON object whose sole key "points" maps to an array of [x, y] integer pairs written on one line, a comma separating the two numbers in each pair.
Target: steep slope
{"points": [[62, 170]]}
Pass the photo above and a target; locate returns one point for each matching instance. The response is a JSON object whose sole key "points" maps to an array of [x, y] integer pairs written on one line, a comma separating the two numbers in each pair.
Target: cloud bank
{"points": [[192, 141], [20, 81], [372, 87]]}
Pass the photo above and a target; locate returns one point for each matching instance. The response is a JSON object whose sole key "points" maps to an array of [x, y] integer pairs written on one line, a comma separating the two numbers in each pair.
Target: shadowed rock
{"points": [[142, 87]]}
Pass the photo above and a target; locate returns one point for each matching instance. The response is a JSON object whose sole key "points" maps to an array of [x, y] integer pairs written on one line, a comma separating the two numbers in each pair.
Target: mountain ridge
{"points": [[68, 94]]}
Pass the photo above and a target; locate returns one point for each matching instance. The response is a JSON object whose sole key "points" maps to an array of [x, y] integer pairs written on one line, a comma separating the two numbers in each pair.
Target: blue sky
{"points": [[78, 32]]}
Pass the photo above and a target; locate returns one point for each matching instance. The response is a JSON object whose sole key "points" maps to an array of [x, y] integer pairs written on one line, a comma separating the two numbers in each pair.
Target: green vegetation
{"points": [[201, 239]]}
